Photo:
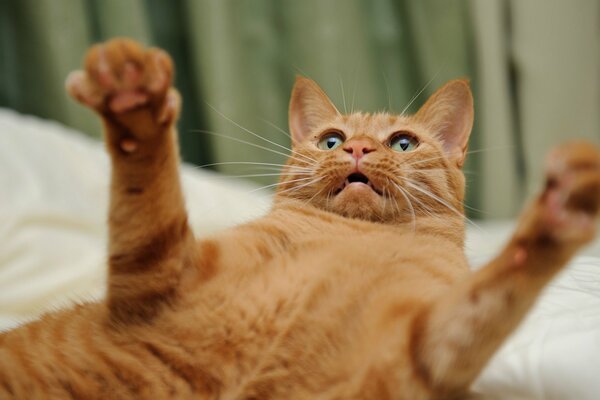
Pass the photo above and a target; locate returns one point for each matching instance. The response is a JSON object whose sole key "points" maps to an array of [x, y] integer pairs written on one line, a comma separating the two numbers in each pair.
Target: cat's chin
{"points": [[358, 189], [358, 200]]}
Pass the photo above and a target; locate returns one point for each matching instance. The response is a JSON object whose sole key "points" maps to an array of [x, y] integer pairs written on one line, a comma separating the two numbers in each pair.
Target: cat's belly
{"points": [[308, 321], [314, 315]]}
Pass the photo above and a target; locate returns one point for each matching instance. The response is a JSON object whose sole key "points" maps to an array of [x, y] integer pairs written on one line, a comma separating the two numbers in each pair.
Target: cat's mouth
{"points": [[357, 178]]}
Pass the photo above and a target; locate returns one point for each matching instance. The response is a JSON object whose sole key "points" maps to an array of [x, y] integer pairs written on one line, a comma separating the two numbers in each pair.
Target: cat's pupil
{"points": [[404, 143], [331, 142]]}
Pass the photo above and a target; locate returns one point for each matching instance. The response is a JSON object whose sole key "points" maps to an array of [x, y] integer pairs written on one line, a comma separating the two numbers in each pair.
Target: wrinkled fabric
{"points": [[53, 208]]}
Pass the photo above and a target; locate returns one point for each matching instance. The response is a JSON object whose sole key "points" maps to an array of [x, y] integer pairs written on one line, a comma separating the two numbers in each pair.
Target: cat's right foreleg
{"points": [[453, 338]]}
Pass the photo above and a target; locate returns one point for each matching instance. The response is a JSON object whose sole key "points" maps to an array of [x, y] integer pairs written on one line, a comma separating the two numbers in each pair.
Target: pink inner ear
{"points": [[455, 136], [449, 114], [309, 108]]}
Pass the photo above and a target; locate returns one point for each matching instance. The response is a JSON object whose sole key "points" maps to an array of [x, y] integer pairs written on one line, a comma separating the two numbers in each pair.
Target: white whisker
{"points": [[250, 144], [299, 186], [276, 127], [412, 209], [416, 96], [315, 195], [355, 86], [417, 162], [253, 133], [259, 175], [423, 206], [443, 202], [387, 89], [278, 183], [249, 163], [467, 153], [329, 193], [343, 95]]}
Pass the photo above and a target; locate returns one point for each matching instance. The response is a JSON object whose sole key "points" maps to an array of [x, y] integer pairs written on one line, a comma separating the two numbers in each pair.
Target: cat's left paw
{"points": [[572, 193]]}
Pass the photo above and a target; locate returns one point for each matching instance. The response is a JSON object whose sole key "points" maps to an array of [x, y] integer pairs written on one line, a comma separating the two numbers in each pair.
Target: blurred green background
{"points": [[534, 66]]}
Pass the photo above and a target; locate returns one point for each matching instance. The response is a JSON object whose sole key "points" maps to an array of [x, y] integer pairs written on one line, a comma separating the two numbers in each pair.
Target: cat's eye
{"points": [[330, 141], [404, 142]]}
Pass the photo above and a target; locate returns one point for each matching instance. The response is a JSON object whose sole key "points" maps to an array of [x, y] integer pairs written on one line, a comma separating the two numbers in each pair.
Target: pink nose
{"points": [[358, 147]]}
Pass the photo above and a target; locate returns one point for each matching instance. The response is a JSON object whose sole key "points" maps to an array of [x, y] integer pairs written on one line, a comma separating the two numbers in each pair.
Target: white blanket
{"points": [[53, 202]]}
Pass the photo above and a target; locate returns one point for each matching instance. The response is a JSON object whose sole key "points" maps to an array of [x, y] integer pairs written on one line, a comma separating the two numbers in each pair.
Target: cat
{"points": [[354, 286]]}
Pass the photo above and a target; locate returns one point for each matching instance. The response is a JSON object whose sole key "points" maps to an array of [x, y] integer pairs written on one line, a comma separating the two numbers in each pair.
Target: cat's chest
{"points": [[319, 275], [265, 310]]}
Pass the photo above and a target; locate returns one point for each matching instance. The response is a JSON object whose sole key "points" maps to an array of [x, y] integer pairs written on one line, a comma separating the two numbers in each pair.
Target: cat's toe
{"points": [[83, 90], [121, 75]]}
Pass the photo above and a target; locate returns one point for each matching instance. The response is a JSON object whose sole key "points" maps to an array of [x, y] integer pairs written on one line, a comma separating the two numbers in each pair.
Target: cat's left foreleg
{"points": [[150, 242], [454, 338]]}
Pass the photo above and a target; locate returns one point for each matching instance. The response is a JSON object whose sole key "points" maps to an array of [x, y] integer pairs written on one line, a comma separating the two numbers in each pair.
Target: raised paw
{"points": [[120, 77], [572, 194]]}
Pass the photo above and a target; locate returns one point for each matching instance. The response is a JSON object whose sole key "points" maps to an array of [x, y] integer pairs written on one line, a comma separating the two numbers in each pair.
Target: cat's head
{"points": [[379, 167]]}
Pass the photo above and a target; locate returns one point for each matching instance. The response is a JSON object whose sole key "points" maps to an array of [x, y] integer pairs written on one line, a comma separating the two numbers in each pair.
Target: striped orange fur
{"points": [[354, 286]]}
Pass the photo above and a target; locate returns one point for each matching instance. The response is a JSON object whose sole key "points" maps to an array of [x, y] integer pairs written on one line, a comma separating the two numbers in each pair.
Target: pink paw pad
{"points": [[572, 196], [129, 145], [128, 100]]}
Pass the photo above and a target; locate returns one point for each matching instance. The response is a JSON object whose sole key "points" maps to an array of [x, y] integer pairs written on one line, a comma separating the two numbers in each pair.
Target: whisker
{"points": [[249, 144], [465, 171], [299, 186], [421, 161], [399, 211], [329, 193], [490, 149], [387, 89], [439, 200], [314, 195], [355, 86], [467, 153], [416, 96], [280, 170], [301, 71], [253, 133], [343, 95], [278, 183], [259, 175], [249, 163], [412, 209], [429, 211], [423, 206], [276, 127]]}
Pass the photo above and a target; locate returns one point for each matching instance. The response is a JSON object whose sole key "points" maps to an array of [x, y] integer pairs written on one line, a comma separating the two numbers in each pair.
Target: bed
{"points": [[53, 202]]}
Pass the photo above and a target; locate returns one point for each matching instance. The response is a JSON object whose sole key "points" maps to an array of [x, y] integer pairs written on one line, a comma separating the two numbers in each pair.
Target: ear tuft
{"points": [[449, 114], [309, 108]]}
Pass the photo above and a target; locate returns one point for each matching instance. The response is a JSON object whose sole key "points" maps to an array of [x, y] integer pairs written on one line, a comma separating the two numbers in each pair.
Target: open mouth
{"points": [[358, 178]]}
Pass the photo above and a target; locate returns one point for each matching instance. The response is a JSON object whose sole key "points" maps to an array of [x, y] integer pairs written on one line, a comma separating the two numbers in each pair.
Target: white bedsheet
{"points": [[53, 201], [53, 206]]}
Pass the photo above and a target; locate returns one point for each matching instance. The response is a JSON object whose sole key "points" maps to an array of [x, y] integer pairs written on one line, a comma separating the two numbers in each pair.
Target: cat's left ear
{"points": [[449, 114], [309, 108]]}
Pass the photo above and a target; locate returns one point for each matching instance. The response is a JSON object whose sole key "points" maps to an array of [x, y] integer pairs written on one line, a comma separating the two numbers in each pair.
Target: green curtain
{"points": [[534, 65]]}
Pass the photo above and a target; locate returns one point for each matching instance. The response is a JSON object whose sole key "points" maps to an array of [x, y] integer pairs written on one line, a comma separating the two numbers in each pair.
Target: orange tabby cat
{"points": [[354, 286]]}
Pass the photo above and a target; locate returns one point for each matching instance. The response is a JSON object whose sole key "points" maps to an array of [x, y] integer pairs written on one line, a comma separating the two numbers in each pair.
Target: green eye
{"points": [[404, 142], [330, 141]]}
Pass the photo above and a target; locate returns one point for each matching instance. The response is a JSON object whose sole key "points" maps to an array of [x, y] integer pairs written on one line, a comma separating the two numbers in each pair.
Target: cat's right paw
{"points": [[572, 195], [120, 76]]}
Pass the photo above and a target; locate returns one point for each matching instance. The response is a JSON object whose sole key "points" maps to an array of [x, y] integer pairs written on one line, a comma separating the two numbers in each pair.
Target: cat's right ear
{"points": [[309, 108]]}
